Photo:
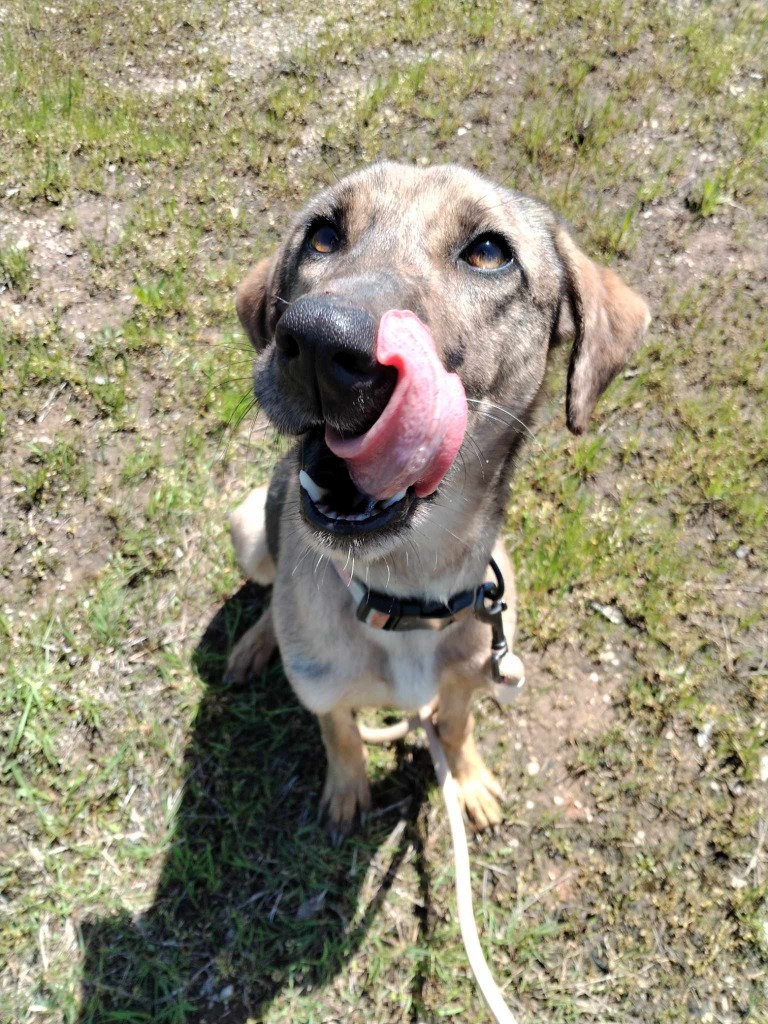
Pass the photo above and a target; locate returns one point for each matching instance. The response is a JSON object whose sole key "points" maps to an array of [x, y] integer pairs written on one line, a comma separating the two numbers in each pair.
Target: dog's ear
{"points": [[252, 303], [606, 321]]}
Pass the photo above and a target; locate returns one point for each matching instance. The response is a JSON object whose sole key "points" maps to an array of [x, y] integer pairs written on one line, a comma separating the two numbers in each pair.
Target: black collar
{"points": [[385, 611]]}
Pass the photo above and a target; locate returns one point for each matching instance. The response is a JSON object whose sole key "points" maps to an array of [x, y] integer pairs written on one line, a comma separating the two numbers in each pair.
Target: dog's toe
{"points": [[252, 651], [479, 794], [242, 665], [344, 801], [480, 803]]}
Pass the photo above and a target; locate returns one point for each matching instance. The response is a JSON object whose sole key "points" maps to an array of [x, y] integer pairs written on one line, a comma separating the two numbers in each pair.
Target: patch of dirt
{"points": [[255, 44], [162, 86], [566, 700], [46, 555], [57, 243], [51, 549], [711, 251]]}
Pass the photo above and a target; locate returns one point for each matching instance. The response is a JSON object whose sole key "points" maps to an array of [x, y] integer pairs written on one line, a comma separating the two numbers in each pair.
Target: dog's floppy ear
{"points": [[606, 321], [252, 303]]}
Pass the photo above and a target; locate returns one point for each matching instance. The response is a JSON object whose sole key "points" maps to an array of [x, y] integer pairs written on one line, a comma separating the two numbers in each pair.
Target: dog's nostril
{"points": [[287, 345], [357, 364]]}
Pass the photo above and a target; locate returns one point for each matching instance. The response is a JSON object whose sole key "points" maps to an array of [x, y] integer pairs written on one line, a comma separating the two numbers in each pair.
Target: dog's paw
{"points": [[479, 795], [479, 792], [252, 651], [346, 797]]}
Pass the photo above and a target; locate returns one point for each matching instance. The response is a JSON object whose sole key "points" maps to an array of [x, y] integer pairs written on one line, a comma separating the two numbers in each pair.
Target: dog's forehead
{"points": [[434, 202]]}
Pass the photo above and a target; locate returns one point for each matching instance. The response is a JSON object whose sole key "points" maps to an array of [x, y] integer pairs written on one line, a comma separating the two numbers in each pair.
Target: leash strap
{"points": [[490, 991], [383, 611]]}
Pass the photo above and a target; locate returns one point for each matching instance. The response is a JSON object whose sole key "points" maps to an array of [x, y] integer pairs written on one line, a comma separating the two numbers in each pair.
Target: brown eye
{"points": [[487, 253], [324, 239]]}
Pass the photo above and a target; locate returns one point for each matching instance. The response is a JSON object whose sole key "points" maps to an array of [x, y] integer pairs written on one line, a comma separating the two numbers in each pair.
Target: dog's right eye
{"points": [[324, 239], [488, 252]]}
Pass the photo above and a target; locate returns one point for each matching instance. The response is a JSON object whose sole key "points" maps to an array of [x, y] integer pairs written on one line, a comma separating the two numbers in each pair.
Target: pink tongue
{"points": [[416, 438]]}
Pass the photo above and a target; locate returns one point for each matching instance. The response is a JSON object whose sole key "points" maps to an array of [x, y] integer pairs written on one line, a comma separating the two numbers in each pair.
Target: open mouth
{"points": [[372, 481], [332, 502]]}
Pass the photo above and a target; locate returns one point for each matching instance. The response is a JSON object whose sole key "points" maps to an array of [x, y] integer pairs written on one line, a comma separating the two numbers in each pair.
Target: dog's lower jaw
{"points": [[448, 542]]}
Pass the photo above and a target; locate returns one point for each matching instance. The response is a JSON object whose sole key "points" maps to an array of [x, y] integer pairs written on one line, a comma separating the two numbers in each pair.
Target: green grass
{"points": [[15, 269], [159, 857]]}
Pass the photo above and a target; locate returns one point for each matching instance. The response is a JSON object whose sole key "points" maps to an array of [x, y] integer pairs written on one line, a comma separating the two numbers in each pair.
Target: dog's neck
{"points": [[448, 555], [450, 550], [407, 576]]}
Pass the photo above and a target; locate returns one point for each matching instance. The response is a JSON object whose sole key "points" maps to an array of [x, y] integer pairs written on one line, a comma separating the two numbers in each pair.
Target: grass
{"points": [[159, 857], [15, 269]]}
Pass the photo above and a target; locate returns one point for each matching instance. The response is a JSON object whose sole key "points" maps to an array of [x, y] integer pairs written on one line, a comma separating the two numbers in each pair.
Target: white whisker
{"points": [[301, 559], [507, 412]]}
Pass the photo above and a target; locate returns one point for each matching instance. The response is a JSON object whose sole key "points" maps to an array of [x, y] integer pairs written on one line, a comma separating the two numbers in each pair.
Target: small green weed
{"points": [[708, 196], [15, 269]]}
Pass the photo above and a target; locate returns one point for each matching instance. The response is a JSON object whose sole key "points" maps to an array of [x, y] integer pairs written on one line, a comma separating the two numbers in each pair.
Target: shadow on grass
{"points": [[252, 899]]}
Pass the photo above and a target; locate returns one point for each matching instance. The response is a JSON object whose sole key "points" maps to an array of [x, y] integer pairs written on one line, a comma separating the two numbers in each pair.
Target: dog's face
{"points": [[495, 280]]}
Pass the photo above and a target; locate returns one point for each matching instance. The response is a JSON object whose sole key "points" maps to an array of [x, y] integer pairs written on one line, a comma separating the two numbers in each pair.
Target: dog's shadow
{"points": [[251, 898]]}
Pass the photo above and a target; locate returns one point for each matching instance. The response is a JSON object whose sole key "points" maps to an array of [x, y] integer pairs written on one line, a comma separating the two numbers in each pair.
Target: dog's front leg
{"points": [[479, 791], [253, 650], [346, 792]]}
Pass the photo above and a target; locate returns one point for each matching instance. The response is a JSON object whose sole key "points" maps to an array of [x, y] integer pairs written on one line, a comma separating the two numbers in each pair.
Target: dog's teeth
{"points": [[316, 493], [394, 499]]}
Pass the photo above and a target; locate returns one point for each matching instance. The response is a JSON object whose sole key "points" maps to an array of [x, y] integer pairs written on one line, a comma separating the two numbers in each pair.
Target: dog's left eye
{"points": [[324, 239], [489, 252]]}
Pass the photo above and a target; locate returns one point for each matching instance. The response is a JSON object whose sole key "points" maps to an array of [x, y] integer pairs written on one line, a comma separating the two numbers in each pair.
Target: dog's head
{"points": [[492, 281]]}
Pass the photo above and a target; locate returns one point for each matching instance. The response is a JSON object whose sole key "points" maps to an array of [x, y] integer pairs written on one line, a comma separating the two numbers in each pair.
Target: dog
{"points": [[403, 331]]}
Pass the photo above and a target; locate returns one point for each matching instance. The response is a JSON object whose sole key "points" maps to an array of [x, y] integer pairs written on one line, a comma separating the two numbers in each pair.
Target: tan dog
{"points": [[493, 281]]}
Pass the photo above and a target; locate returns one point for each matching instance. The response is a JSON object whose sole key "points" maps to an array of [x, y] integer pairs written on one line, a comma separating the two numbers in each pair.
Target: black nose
{"points": [[326, 356]]}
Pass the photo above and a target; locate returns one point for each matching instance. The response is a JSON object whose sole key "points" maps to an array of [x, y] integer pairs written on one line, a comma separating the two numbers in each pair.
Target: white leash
{"points": [[490, 991]]}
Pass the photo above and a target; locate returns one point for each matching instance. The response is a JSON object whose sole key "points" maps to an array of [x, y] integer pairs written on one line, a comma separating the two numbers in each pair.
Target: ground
{"points": [[159, 856]]}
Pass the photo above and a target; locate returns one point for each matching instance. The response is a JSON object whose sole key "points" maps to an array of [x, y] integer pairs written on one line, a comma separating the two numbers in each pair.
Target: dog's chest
{"points": [[409, 666]]}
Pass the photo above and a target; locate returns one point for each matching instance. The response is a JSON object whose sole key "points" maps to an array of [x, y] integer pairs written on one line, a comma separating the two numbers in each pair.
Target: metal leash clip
{"points": [[489, 608]]}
